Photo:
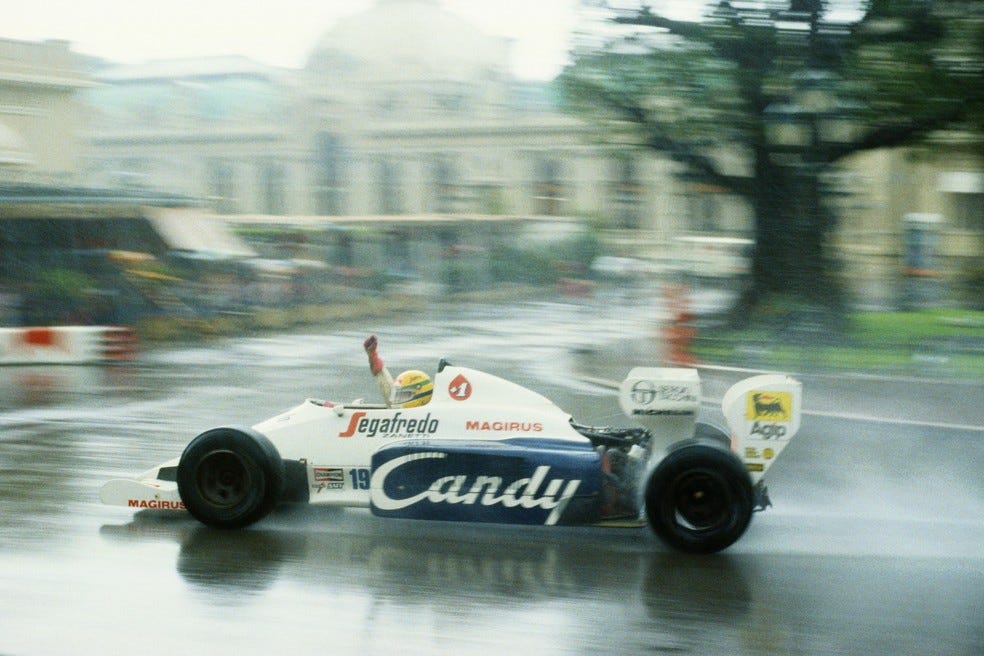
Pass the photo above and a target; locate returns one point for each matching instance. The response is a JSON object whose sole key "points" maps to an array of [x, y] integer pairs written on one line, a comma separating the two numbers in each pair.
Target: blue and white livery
{"points": [[487, 450]]}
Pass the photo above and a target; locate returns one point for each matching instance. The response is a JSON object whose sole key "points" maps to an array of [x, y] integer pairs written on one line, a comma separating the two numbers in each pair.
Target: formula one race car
{"points": [[487, 450]]}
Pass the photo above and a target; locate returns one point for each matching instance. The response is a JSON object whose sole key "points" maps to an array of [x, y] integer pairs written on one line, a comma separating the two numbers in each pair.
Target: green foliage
{"points": [[971, 283], [545, 265], [694, 90], [896, 342], [64, 284], [914, 327], [513, 264]]}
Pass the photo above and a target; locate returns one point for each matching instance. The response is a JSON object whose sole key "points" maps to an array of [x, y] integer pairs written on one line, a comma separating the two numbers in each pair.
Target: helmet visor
{"points": [[402, 395]]}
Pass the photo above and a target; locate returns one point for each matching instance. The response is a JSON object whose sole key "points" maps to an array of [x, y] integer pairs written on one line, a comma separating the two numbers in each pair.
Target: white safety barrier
{"points": [[66, 345]]}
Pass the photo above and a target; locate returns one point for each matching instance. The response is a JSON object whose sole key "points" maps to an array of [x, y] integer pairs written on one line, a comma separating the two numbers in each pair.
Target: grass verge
{"points": [[938, 342]]}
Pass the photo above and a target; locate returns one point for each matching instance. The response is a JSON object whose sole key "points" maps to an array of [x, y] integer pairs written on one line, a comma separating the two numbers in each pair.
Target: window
{"points": [[548, 190], [272, 186], [968, 211], [390, 196], [445, 187], [397, 249], [626, 195], [704, 207], [330, 161], [221, 187]]}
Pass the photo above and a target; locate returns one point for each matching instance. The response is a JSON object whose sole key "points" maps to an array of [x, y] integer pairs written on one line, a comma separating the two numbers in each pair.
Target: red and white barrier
{"points": [[66, 345]]}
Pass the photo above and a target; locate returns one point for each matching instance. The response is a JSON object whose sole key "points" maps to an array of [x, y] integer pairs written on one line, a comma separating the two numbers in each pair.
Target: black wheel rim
{"points": [[223, 479], [702, 500]]}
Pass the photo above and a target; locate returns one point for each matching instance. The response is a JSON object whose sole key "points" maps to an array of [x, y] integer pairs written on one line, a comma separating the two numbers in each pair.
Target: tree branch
{"points": [[657, 138], [645, 18], [891, 136]]}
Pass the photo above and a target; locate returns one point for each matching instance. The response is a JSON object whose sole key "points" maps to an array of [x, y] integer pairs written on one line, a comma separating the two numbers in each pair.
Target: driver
{"points": [[410, 389]]}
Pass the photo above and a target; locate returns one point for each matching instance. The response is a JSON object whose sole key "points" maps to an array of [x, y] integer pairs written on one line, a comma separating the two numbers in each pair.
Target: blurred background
{"points": [[790, 183], [234, 194]]}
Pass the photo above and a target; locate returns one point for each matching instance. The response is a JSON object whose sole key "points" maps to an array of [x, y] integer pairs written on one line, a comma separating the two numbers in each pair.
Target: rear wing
{"points": [[763, 414], [664, 400]]}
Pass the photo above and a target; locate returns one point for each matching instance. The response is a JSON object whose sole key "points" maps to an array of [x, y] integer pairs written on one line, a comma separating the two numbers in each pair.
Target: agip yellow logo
{"points": [[769, 406]]}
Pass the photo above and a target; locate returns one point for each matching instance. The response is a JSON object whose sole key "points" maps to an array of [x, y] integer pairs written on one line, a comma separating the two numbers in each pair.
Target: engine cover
{"points": [[519, 481]]}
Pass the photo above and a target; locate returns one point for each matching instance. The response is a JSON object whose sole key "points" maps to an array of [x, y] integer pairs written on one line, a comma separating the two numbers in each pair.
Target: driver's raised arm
{"points": [[382, 375]]}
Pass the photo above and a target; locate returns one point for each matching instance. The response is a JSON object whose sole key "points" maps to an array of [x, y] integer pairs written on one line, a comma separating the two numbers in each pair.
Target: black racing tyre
{"points": [[699, 498], [230, 478]]}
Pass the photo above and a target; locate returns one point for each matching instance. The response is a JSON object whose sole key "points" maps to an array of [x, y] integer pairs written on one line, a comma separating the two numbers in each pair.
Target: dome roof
{"points": [[409, 40]]}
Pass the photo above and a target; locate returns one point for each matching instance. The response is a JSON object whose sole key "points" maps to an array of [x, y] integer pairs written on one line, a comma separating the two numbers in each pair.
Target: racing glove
{"points": [[375, 362]]}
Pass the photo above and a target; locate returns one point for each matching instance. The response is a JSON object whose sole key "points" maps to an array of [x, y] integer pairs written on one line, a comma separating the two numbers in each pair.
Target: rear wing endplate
{"points": [[763, 414]]}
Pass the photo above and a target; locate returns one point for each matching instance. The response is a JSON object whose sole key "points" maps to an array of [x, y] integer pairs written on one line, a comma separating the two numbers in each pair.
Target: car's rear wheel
{"points": [[230, 478], [699, 498]]}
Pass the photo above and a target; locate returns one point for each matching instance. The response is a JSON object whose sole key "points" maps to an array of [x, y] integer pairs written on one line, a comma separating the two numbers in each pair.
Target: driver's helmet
{"points": [[411, 389]]}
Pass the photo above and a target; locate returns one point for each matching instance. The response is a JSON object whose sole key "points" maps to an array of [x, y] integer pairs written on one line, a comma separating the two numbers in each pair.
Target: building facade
{"points": [[41, 111], [406, 110]]}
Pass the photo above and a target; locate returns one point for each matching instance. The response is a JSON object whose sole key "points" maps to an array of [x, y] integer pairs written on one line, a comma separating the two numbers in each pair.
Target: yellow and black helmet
{"points": [[411, 389]]}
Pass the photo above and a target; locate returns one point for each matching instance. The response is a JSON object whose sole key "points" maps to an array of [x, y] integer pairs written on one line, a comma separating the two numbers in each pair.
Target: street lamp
{"points": [[814, 120]]}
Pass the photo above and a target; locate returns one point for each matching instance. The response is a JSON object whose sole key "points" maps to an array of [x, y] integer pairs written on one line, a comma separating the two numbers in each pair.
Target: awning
{"points": [[189, 229], [13, 149]]}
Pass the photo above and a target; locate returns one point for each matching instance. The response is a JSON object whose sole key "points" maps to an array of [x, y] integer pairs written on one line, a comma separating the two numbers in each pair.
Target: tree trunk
{"points": [[793, 276]]}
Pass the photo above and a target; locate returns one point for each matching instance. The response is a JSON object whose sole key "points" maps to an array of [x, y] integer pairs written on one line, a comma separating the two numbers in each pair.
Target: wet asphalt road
{"points": [[875, 544]]}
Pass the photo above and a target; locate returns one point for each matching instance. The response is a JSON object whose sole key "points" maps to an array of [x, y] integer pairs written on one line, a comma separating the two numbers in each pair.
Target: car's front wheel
{"points": [[230, 478], [699, 499]]}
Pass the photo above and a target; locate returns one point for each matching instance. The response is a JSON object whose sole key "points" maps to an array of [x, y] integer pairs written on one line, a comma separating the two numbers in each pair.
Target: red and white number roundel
{"points": [[460, 389]]}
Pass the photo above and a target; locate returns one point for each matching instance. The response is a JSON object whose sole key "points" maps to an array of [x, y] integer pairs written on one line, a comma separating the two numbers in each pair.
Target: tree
{"points": [[790, 89]]}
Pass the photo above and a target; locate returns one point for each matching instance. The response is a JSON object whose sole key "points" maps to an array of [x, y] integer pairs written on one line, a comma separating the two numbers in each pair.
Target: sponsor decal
{"points": [[504, 426], [155, 504], [752, 453], [768, 431], [328, 478], [396, 425], [755, 466], [478, 489], [645, 392], [769, 406], [460, 388]]}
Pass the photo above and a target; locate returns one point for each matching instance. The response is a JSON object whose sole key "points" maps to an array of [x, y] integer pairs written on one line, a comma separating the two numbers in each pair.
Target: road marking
{"points": [[899, 422]]}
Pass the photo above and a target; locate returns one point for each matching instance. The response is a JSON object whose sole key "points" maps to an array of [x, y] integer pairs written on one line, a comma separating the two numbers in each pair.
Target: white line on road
{"points": [[899, 422]]}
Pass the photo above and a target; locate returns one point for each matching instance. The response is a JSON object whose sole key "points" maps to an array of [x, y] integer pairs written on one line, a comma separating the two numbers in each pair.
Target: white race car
{"points": [[487, 450]]}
